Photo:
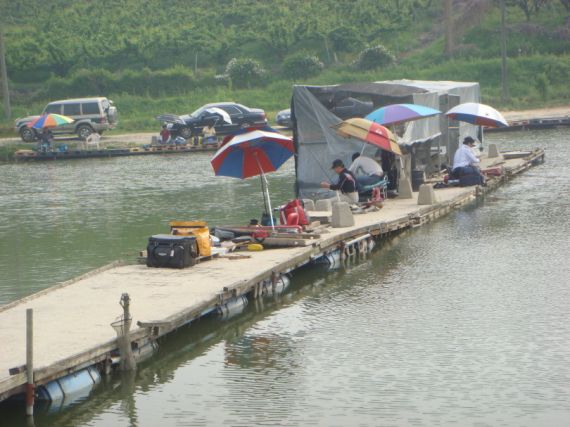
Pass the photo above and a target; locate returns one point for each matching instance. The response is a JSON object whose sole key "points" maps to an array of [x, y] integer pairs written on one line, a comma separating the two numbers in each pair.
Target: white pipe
{"points": [[357, 239]]}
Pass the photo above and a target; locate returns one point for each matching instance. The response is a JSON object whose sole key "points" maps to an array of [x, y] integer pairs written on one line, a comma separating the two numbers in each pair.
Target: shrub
{"points": [[245, 72], [542, 85], [345, 39], [374, 57], [302, 65]]}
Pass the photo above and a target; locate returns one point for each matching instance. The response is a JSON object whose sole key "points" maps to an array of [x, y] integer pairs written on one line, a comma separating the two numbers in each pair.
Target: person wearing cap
{"points": [[346, 183], [465, 162]]}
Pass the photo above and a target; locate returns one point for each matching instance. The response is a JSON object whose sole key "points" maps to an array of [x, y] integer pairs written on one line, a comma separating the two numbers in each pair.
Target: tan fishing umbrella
{"points": [[370, 132]]}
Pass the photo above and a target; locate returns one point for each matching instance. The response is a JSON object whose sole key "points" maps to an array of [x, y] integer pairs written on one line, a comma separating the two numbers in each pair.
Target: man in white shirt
{"points": [[465, 162], [366, 170]]}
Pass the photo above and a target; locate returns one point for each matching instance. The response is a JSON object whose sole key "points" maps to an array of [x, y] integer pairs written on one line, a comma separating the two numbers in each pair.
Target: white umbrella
{"points": [[477, 114], [224, 114]]}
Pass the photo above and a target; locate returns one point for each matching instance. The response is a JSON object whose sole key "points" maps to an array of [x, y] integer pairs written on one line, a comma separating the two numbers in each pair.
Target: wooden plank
{"points": [[12, 385], [295, 235], [280, 242]]}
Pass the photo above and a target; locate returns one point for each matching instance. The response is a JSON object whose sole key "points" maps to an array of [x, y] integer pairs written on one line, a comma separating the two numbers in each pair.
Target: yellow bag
{"points": [[254, 247], [194, 228]]}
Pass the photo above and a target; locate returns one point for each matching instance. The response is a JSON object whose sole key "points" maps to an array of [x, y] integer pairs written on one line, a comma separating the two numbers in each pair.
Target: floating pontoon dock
{"points": [[72, 320], [31, 155]]}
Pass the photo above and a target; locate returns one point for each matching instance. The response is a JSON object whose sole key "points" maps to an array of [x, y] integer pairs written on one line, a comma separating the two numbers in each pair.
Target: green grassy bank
{"points": [[534, 81], [150, 64]]}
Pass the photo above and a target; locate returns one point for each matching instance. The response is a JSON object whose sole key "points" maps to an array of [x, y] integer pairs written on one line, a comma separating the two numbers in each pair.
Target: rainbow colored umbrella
{"points": [[50, 121], [477, 114], [401, 113], [370, 132]]}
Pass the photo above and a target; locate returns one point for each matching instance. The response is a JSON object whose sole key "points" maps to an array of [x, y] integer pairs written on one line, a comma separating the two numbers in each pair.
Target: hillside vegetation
{"points": [[157, 56]]}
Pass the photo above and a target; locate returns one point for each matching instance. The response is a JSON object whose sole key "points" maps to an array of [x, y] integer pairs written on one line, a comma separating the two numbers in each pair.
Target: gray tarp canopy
{"points": [[317, 144]]}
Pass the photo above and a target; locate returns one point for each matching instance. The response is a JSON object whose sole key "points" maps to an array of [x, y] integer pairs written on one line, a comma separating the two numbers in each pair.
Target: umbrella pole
{"points": [[449, 159], [268, 200], [265, 190]]}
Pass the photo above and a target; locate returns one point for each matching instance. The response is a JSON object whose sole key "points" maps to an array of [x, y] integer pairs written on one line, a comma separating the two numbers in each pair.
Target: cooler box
{"points": [[165, 250], [199, 229], [293, 213]]}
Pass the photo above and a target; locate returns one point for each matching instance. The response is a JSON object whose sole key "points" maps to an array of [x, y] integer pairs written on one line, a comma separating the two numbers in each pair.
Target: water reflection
{"points": [[461, 322]]}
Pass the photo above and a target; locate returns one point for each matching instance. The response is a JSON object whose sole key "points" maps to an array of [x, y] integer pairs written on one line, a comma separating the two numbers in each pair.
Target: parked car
{"points": [[283, 118], [352, 107], [90, 115], [192, 124], [345, 109]]}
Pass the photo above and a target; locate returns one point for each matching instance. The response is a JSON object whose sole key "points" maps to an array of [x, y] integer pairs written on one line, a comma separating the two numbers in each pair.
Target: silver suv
{"points": [[90, 114]]}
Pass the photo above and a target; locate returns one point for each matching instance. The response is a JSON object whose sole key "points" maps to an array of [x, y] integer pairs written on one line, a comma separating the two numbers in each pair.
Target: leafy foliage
{"points": [[173, 55], [245, 72], [374, 57], [302, 65], [345, 39], [529, 7]]}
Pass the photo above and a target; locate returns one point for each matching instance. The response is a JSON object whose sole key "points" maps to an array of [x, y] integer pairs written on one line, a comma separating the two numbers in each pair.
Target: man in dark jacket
{"points": [[346, 183]]}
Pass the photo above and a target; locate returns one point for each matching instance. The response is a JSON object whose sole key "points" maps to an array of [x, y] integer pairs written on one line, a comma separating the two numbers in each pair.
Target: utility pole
{"points": [[504, 82], [448, 15], [4, 77]]}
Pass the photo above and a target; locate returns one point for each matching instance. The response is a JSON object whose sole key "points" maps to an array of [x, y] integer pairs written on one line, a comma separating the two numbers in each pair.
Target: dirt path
{"points": [[538, 113]]}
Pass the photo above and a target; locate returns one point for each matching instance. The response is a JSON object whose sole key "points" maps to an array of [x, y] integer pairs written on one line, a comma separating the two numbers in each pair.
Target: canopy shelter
{"points": [[318, 144]]}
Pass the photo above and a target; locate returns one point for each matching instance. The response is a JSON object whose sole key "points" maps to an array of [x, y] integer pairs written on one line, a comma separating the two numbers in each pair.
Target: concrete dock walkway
{"points": [[72, 320]]}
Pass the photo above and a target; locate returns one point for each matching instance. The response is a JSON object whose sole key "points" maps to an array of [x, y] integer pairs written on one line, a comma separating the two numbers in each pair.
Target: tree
{"points": [[345, 39], [449, 39], [529, 7], [4, 77], [302, 65], [12, 14], [374, 57], [244, 72], [566, 4]]}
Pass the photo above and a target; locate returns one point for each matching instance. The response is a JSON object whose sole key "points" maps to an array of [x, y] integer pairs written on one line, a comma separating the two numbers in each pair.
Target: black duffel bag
{"points": [[167, 251]]}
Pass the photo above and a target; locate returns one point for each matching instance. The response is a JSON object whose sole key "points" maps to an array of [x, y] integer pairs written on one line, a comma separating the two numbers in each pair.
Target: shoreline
{"points": [[141, 138]]}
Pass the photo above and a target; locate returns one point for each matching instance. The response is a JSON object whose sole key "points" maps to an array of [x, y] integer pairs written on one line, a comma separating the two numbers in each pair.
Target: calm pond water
{"points": [[461, 322]]}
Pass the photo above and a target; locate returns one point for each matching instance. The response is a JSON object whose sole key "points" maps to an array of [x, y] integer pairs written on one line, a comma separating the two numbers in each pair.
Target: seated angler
{"points": [[346, 183], [165, 134], [466, 163], [367, 171]]}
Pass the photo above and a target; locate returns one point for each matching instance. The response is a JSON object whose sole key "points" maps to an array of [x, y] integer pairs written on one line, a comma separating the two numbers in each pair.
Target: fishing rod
{"points": [[320, 166]]}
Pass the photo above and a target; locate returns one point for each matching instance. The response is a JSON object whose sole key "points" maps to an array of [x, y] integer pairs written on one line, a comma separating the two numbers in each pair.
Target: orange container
{"points": [[194, 228]]}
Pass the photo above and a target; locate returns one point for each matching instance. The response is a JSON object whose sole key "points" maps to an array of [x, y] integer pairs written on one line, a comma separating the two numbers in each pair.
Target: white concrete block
{"points": [[341, 215], [308, 204], [426, 195], [323, 205]]}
